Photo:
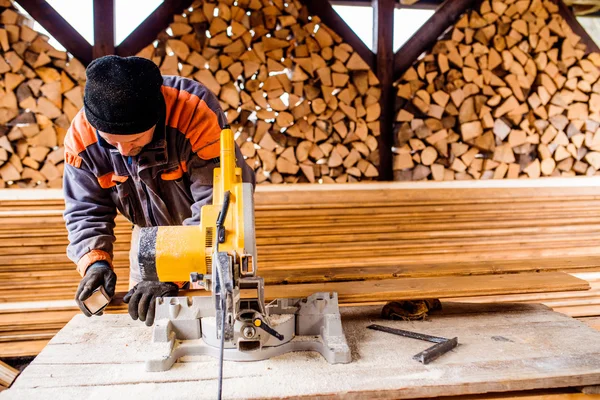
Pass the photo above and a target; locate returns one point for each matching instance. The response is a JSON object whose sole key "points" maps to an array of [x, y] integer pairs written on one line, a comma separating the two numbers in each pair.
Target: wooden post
{"points": [[383, 38], [104, 28]]}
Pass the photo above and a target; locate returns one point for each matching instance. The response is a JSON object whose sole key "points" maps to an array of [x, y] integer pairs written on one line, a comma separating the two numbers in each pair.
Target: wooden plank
{"points": [[155, 23], [22, 349], [7, 374], [425, 288], [59, 28], [104, 28], [502, 348], [574, 304], [428, 34], [324, 10], [383, 38], [419, 5]]}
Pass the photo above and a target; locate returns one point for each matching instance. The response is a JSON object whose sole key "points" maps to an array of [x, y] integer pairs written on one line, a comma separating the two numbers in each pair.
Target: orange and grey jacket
{"points": [[166, 184]]}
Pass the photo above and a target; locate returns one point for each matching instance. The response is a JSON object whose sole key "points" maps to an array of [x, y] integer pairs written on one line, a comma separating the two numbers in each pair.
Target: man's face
{"points": [[129, 145]]}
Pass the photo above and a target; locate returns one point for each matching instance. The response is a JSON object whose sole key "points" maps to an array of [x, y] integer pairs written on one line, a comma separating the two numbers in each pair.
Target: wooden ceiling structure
{"points": [[380, 60]]}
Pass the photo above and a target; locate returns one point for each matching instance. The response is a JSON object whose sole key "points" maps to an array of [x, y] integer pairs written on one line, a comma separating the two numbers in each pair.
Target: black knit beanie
{"points": [[122, 95]]}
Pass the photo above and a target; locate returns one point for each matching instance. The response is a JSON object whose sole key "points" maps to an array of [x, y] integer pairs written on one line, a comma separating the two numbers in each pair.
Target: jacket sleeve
{"points": [[90, 218]]}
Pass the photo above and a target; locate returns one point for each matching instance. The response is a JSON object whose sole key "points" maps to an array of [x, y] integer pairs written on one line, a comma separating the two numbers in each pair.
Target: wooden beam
{"points": [[421, 5], [104, 28], [59, 28], [383, 43], [429, 33], [430, 288], [8, 374], [569, 16], [324, 10], [148, 30]]}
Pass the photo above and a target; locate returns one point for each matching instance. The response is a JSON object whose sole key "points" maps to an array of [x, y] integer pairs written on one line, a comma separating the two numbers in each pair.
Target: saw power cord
{"points": [[222, 287], [222, 346]]}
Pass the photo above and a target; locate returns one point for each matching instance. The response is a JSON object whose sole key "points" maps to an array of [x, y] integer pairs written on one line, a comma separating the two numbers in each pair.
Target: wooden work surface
{"points": [[503, 347]]}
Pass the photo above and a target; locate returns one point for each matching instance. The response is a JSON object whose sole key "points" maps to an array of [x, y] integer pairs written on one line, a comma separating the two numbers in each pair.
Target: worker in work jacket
{"points": [[145, 145]]}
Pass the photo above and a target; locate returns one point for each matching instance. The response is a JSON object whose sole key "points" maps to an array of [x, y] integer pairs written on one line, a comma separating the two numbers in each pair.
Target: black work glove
{"points": [[98, 274], [142, 298]]}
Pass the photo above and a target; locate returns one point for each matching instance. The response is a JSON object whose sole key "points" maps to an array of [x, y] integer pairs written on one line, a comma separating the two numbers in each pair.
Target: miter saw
{"points": [[234, 323]]}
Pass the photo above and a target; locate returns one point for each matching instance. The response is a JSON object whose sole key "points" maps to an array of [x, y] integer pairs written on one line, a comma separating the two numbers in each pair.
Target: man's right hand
{"points": [[98, 274]]}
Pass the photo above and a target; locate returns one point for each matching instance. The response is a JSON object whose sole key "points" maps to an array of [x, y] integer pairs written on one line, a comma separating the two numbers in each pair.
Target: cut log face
{"points": [[518, 98]]}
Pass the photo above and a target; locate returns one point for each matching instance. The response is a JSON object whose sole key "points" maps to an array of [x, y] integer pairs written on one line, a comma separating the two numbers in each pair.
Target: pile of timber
{"points": [[41, 90], [508, 92], [369, 242], [347, 232], [304, 104]]}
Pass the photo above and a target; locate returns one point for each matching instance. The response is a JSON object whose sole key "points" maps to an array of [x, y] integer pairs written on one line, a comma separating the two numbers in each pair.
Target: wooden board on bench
{"points": [[502, 347]]}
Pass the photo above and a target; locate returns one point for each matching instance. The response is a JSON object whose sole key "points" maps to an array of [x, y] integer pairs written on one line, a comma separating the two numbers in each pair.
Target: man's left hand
{"points": [[142, 299]]}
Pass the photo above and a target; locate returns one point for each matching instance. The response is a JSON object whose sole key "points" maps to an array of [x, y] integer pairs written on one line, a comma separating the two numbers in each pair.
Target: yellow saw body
{"points": [[219, 255], [185, 250]]}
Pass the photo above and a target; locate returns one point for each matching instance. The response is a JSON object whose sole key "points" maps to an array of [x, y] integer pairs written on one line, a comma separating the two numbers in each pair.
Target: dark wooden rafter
{"points": [[424, 39], [569, 16], [155, 23], [421, 5], [383, 38], [104, 28], [324, 10], [59, 28]]}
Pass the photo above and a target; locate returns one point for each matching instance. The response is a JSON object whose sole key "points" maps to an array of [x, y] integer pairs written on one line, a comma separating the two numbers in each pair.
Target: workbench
{"points": [[502, 347]]}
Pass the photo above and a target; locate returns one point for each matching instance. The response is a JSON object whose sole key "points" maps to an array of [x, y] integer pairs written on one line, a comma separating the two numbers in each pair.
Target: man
{"points": [[145, 145]]}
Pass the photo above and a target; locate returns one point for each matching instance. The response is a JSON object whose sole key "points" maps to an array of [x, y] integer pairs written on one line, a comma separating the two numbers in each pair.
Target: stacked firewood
{"points": [[41, 90], [508, 92], [304, 105]]}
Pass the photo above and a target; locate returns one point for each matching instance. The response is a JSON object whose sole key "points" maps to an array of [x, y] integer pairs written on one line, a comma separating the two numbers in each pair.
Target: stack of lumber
{"points": [[508, 92], [370, 242], [41, 90], [347, 232], [304, 104]]}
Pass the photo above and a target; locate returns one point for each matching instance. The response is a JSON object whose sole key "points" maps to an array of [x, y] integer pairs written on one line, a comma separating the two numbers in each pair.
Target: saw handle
{"points": [[259, 323], [221, 218]]}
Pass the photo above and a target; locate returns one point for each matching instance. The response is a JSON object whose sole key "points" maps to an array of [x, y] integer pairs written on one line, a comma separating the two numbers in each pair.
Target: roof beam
{"points": [[148, 30], [324, 10], [421, 5], [428, 34], [59, 28]]}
